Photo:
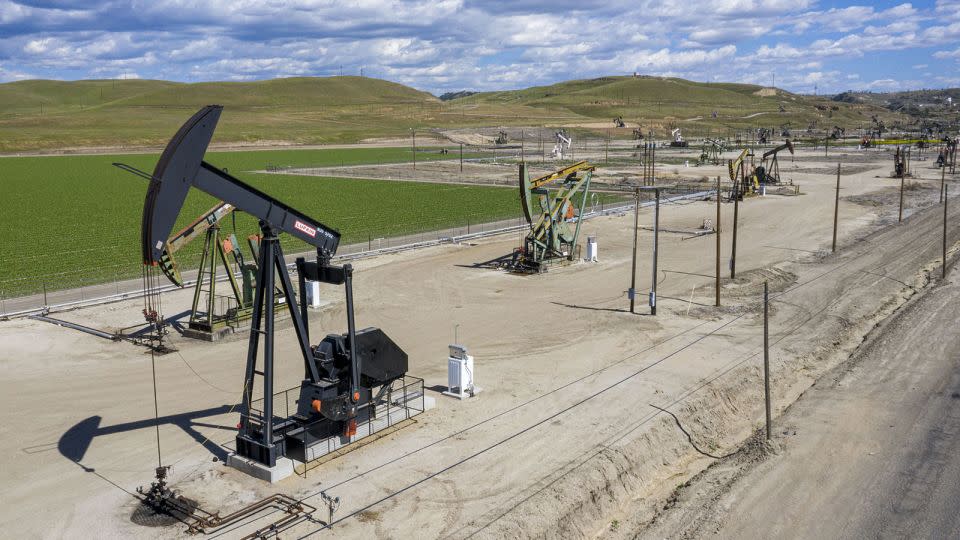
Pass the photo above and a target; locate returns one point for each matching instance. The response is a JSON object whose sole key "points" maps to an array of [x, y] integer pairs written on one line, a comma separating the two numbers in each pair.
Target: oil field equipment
{"points": [[770, 174], [207, 319], [742, 182], [901, 162], [460, 380], [711, 150], [762, 135], [878, 128], [348, 378], [678, 139], [552, 239], [502, 138], [562, 146]]}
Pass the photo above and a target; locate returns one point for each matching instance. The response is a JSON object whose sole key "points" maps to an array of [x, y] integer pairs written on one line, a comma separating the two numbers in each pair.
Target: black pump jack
{"points": [[336, 380]]}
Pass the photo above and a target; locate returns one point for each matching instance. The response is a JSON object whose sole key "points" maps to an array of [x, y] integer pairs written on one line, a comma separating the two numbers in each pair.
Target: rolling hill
{"points": [[699, 108], [41, 115], [928, 106]]}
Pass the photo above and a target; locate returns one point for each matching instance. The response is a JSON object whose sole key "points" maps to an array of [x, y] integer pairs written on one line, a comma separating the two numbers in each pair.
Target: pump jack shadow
{"points": [[502, 261], [75, 442], [173, 321]]}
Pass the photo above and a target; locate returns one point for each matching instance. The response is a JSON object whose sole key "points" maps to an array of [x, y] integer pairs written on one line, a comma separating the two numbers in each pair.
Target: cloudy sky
{"points": [[443, 45]]}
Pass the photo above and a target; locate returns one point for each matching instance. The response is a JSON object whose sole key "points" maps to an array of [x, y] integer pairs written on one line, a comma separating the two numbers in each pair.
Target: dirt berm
{"points": [[838, 300]]}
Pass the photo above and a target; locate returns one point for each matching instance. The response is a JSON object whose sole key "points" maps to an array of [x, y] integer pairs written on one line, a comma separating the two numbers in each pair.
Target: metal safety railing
{"points": [[403, 399]]}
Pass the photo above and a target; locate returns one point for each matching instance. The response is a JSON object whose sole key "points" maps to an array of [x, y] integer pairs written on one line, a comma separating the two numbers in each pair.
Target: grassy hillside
{"points": [[926, 106], [29, 97], [660, 103], [45, 115]]}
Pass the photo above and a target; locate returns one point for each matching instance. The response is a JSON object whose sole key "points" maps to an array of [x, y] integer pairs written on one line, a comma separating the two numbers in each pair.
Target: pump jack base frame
{"points": [[405, 399], [238, 323], [521, 264]]}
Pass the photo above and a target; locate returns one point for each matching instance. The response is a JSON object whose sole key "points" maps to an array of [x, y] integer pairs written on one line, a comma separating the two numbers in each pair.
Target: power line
{"points": [[696, 388]]}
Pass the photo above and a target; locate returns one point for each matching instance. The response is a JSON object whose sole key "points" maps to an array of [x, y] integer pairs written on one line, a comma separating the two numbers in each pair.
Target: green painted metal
{"points": [[550, 215]]}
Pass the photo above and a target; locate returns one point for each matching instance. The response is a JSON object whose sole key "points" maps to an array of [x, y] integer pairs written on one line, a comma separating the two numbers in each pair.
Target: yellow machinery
{"points": [[744, 182], [551, 238]]}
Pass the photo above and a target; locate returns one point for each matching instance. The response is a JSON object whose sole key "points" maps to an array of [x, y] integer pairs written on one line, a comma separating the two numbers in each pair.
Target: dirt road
{"points": [[870, 451]]}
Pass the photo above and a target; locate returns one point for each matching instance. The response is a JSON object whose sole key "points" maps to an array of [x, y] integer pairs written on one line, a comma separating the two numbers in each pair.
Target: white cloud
{"points": [[471, 44], [947, 54]]}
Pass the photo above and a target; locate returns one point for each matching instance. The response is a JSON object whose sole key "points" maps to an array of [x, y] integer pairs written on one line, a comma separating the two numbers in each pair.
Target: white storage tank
{"points": [[592, 249]]}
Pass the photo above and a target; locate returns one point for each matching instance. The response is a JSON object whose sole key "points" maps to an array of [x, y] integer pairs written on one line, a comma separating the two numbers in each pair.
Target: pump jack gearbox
{"points": [[346, 375]]}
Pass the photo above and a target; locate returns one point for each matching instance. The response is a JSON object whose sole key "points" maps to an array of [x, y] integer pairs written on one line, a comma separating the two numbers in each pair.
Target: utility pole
{"points": [[900, 214], [736, 212], [636, 228], [521, 147], [766, 354], [413, 133], [656, 237], [943, 179], [461, 157], [716, 228], [836, 210], [943, 272]]}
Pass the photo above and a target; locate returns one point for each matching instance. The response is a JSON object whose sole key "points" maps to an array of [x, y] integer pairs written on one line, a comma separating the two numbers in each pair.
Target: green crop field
{"points": [[75, 220]]}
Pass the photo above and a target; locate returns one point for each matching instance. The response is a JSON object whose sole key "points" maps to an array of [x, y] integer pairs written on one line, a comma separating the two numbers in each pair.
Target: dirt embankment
{"points": [[843, 297]]}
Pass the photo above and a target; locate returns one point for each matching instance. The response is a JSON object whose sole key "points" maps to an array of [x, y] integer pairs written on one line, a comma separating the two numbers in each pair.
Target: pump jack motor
{"points": [[345, 373]]}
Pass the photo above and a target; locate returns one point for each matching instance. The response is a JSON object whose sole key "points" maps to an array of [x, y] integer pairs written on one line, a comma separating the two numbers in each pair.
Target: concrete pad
{"points": [[281, 470]]}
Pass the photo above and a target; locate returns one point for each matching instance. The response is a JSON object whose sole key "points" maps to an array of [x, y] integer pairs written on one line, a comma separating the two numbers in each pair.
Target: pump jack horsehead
{"points": [[345, 375]]}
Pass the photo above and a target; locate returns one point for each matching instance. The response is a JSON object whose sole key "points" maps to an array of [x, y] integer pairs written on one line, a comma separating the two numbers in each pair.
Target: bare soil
{"points": [[568, 435]]}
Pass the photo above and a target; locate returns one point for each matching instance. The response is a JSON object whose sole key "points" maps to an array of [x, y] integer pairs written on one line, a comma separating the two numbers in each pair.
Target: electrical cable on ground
{"points": [[690, 437]]}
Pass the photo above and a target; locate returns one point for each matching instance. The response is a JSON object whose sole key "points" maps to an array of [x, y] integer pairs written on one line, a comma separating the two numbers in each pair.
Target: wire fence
{"points": [[88, 291], [110, 266]]}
